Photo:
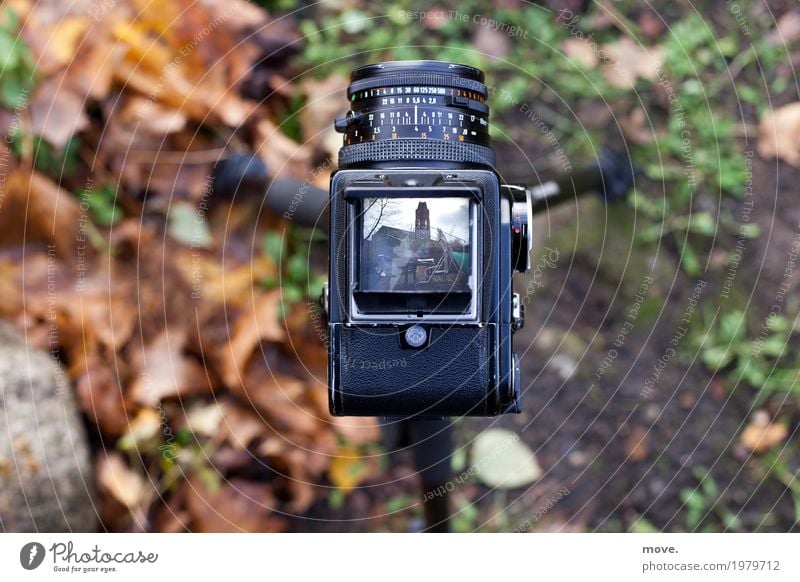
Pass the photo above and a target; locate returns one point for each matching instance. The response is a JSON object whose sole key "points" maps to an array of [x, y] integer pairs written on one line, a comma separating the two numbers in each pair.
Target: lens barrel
{"points": [[424, 114]]}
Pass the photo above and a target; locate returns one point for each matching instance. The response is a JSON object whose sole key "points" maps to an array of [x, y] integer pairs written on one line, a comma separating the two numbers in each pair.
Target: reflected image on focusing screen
{"points": [[415, 245]]}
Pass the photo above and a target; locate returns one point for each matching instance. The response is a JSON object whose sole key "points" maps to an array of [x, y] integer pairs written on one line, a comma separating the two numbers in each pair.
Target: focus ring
{"points": [[416, 150]]}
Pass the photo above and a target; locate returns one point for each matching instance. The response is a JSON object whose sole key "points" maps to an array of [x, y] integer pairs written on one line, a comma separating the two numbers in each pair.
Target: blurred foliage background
{"points": [[187, 318]]}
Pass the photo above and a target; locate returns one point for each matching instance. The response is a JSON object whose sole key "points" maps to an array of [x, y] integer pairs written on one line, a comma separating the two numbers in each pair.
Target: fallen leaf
{"points": [[651, 24], [492, 42], [144, 426], [283, 156], [151, 116], [779, 134], [170, 515], [281, 399], [581, 50], [64, 38], [636, 444], [355, 430], [625, 61], [221, 283], [188, 226], [35, 209], [761, 434], [299, 480], [100, 396], [56, 113], [242, 426], [502, 461], [91, 69], [323, 106], [347, 469], [120, 481], [235, 506], [259, 322], [166, 371], [205, 419], [241, 15], [786, 30]]}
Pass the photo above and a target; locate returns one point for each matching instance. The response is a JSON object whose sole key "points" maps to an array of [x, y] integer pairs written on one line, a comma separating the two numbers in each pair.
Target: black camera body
{"points": [[425, 239]]}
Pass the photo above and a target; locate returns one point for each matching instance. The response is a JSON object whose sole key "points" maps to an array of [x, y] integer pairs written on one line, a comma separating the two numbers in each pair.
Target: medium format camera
{"points": [[425, 238]]}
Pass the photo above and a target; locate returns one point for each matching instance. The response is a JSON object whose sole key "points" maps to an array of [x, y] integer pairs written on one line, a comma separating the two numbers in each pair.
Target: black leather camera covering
{"points": [[378, 377]]}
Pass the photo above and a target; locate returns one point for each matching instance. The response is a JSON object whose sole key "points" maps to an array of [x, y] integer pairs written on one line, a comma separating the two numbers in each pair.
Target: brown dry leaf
{"points": [[260, 322], [240, 15], [636, 445], [282, 399], [119, 480], [65, 37], [89, 318], [35, 209], [324, 104], [142, 50], [320, 451], [152, 117], [581, 50], [651, 24], [202, 82], [491, 42], [220, 283], [100, 397], [786, 30], [625, 62], [779, 134], [166, 371], [307, 336], [56, 113], [235, 506], [299, 482], [242, 426], [82, 307], [91, 70], [50, 33], [99, 311], [355, 430], [171, 515], [761, 434], [283, 156], [174, 89]]}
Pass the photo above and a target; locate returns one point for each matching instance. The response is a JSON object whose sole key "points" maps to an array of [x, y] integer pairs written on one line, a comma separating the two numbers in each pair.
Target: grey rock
{"points": [[46, 481]]}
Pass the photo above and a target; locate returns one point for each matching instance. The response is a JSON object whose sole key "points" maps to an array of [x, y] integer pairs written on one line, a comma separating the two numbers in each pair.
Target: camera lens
{"points": [[416, 113]]}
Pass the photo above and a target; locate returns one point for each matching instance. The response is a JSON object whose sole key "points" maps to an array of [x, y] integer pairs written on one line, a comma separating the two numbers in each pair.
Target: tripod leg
{"points": [[432, 446]]}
